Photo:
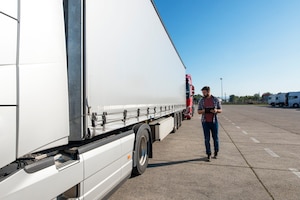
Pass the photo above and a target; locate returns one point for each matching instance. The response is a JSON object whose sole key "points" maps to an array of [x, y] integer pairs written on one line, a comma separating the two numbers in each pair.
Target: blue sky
{"points": [[254, 45]]}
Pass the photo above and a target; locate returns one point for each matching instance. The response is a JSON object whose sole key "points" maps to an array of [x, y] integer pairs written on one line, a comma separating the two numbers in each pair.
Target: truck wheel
{"points": [[182, 115], [175, 123], [281, 105], [142, 149], [296, 105], [180, 118]]}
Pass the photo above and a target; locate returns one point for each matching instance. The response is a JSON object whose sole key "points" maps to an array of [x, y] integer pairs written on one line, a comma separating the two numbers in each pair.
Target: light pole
{"points": [[221, 88]]}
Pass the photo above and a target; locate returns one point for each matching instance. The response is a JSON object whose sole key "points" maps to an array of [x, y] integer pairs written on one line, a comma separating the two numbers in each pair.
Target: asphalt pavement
{"points": [[259, 159]]}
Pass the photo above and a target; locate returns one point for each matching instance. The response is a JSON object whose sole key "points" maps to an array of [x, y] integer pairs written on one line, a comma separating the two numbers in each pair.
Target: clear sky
{"points": [[253, 45]]}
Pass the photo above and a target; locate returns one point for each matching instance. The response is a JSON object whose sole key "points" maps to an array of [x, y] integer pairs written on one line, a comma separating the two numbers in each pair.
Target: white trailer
{"points": [[86, 87], [280, 99], [293, 99]]}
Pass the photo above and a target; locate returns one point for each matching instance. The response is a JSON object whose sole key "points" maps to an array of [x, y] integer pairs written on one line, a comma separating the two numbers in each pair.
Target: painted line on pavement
{"points": [[245, 132], [238, 127], [254, 140], [272, 153], [295, 171], [233, 123]]}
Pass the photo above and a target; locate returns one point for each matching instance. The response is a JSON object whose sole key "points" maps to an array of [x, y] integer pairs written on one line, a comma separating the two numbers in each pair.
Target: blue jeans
{"points": [[211, 127]]}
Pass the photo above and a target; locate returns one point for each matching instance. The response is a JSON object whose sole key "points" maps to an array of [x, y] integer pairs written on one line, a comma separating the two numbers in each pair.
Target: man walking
{"points": [[209, 106]]}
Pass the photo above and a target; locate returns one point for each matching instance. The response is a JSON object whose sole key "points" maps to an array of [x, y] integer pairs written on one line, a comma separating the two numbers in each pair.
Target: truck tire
{"points": [[281, 105], [295, 105], [182, 115], [175, 123], [180, 118], [142, 149]]}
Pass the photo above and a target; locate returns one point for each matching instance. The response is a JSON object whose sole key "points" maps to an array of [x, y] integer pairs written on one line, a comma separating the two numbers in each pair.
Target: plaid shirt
{"points": [[217, 105]]}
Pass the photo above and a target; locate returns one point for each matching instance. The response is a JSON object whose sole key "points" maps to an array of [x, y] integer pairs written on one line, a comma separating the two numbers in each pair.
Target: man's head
{"points": [[206, 91]]}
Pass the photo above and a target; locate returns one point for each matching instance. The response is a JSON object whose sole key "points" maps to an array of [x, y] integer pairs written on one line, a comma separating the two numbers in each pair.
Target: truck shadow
{"points": [[163, 164]]}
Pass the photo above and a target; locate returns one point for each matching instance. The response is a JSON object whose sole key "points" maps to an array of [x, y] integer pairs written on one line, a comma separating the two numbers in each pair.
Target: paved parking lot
{"points": [[259, 159]]}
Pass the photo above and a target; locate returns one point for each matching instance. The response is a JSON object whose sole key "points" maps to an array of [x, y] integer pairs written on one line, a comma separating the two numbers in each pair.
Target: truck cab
{"points": [[271, 100], [190, 91], [280, 99], [293, 99]]}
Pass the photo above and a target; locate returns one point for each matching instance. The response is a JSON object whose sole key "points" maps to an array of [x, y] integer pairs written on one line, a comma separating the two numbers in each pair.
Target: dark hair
{"points": [[206, 88]]}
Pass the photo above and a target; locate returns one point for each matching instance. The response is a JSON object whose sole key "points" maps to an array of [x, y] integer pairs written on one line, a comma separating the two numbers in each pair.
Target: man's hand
{"points": [[214, 111], [201, 112]]}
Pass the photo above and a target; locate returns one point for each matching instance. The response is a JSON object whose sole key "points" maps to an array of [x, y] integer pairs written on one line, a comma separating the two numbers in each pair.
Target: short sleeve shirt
{"points": [[216, 104], [209, 103]]}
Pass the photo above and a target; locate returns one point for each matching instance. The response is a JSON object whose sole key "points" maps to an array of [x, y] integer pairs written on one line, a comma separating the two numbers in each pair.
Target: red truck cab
{"points": [[190, 91]]}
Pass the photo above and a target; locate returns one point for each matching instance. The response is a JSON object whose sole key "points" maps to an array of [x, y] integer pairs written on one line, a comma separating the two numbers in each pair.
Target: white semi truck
{"points": [[272, 100], [293, 99], [280, 99], [86, 88]]}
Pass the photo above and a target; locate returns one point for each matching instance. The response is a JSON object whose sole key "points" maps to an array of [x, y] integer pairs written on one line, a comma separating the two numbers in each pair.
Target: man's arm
{"points": [[201, 110], [219, 107]]}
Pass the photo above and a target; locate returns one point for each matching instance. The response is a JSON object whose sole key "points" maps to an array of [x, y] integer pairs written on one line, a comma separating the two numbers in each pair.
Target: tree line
{"points": [[248, 99]]}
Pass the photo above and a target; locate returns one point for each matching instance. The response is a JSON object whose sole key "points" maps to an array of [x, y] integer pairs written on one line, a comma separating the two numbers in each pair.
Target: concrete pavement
{"points": [[259, 159]]}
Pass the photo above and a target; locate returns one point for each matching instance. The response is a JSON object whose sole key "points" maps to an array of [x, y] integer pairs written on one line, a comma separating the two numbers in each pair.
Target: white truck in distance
{"points": [[86, 88], [280, 99], [290, 99], [293, 99], [271, 100]]}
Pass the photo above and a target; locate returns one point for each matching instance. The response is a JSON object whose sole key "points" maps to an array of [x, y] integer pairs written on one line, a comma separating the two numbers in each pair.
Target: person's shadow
{"points": [[162, 164]]}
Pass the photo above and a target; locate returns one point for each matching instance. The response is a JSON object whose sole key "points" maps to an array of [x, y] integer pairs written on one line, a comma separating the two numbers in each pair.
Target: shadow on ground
{"points": [[204, 159]]}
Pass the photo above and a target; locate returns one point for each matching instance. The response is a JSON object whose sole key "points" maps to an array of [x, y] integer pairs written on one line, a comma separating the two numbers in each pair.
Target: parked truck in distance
{"points": [[289, 99], [86, 88], [190, 91], [271, 100], [280, 99], [293, 99]]}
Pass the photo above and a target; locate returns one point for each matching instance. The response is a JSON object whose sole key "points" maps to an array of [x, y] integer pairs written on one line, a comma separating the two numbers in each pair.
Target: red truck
{"points": [[190, 91]]}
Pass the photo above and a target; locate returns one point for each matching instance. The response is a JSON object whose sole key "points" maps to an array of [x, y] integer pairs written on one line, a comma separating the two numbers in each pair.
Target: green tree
{"points": [[197, 98], [233, 99], [256, 97]]}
